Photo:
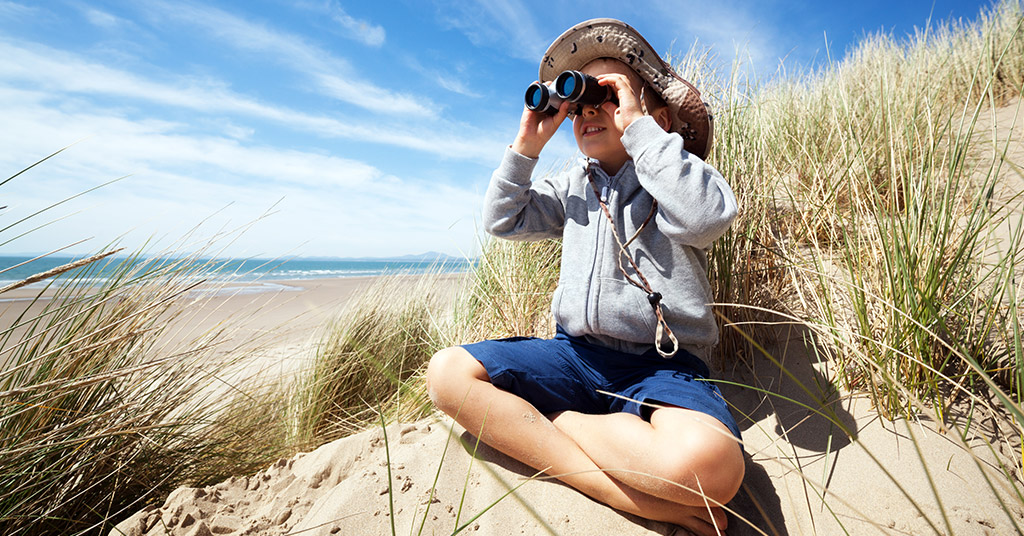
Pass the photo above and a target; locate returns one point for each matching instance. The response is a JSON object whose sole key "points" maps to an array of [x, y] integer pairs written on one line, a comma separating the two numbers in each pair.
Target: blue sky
{"points": [[364, 128]]}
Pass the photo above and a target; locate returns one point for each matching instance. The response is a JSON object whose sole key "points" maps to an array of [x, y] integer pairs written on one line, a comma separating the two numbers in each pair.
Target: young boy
{"points": [[616, 404]]}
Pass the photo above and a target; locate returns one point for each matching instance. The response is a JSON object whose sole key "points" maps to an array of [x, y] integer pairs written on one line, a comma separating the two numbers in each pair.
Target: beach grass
{"points": [[107, 402], [871, 221], [867, 212], [369, 360], [98, 416]]}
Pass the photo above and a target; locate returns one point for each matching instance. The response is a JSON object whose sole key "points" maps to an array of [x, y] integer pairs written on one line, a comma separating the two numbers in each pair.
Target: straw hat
{"points": [[610, 38]]}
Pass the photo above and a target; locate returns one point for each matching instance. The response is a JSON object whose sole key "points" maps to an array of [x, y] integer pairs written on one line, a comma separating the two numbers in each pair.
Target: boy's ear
{"points": [[663, 117]]}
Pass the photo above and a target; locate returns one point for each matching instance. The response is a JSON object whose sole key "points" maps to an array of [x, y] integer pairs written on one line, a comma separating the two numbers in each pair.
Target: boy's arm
{"points": [[695, 204], [516, 208]]}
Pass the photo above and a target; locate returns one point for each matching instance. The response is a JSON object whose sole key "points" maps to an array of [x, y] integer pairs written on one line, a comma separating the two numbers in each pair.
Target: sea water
{"points": [[266, 271]]}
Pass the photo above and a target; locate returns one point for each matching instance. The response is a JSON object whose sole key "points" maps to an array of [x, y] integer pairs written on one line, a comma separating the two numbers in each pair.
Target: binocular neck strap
{"points": [[665, 349]]}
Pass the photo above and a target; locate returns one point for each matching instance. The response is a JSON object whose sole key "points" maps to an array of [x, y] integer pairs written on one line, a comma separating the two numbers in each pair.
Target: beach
{"points": [[279, 313], [819, 461]]}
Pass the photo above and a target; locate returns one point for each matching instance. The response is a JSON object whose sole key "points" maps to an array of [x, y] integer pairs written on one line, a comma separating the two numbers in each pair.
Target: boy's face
{"points": [[594, 128]]}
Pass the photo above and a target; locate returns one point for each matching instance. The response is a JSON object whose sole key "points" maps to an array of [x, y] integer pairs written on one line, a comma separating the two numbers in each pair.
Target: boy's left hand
{"points": [[629, 108]]}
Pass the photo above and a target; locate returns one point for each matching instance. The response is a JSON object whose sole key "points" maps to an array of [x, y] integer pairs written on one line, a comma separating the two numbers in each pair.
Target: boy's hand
{"points": [[629, 108], [535, 129]]}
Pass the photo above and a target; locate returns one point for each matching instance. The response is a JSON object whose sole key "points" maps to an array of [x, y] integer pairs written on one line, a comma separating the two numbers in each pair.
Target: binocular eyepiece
{"points": [[572, 86]]}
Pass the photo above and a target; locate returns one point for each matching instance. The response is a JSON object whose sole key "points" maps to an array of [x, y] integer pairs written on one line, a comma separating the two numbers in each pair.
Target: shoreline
{"points": [[38, 291]]}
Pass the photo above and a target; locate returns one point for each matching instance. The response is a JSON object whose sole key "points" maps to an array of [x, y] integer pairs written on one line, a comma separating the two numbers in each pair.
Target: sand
{"points": [[805, 475], [344, 487]]}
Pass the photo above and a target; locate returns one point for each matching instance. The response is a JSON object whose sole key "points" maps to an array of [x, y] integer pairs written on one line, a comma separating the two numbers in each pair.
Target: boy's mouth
{"points": [[591, 130]]}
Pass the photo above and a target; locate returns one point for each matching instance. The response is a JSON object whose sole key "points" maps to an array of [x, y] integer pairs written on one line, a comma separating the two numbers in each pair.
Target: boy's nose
{"points": [[589, 110]]}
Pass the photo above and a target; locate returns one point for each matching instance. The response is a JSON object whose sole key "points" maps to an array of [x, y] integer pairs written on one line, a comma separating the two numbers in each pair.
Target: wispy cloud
{"points": [[101, 18], [372, 97], [454, 82], [361, 30], [327, 71], [15, 10], [60, 72], [735, 30], [505, 24], [349, 27]]}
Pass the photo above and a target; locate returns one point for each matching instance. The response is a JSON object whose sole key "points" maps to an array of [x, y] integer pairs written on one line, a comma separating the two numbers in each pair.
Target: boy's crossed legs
{"points": [[618, 458]]}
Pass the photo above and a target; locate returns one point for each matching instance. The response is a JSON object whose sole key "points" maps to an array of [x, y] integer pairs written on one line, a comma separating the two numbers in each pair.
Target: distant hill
{"points": [[430, 256]]}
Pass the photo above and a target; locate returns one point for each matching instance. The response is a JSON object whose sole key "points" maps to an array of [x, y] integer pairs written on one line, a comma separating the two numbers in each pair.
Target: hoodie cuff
{"points": [[516, 167], [640, 134]]}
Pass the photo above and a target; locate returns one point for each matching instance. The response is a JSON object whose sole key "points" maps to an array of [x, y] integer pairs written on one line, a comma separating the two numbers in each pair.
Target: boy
{"points": [[615, 405]]}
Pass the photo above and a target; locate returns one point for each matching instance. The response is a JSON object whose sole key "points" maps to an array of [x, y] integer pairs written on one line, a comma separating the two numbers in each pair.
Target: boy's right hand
{"points": [[536, 128]]}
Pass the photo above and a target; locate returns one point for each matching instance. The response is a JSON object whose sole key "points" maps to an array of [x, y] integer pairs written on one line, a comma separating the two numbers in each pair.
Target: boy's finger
{"points": [[563, 112], [560, 115], [622, 87]]}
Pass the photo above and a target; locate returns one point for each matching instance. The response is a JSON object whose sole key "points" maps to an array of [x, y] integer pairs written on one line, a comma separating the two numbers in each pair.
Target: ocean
{"points": [[241, 271]]}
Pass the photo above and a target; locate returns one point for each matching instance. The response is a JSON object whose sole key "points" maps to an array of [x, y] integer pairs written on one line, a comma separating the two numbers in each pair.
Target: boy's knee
{"points": [[437, 368], [449, 374], [713, 465]]}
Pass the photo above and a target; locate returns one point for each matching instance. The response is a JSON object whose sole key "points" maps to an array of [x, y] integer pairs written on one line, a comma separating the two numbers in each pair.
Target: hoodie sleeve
{"points": [[518, 209], [695, 203]]}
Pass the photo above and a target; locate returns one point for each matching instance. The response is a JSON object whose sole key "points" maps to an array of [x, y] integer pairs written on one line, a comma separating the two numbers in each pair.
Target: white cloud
{"points": [[374, 98], [447, 80], [733, 29], [336, 205], [15, 10], [293, 52], [102, 19], [122, 145], [363, 31]]}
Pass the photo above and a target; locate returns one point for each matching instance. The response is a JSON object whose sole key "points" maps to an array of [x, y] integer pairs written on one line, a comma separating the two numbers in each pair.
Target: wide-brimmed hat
{"points": [[610, 38]]}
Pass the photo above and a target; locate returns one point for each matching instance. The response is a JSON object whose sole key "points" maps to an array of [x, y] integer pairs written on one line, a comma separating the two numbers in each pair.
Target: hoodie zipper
{"points": [[601, 236]]}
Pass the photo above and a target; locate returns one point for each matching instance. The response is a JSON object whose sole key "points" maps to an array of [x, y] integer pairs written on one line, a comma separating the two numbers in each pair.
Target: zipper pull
{"points": [[604, 194]]}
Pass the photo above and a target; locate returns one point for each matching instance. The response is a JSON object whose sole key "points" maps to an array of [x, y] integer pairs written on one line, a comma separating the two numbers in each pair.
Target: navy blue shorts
{"points": [[570, 373]]}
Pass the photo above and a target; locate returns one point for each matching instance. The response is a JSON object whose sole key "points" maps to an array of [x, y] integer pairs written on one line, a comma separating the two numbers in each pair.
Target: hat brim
{"points": [[611, 38]]}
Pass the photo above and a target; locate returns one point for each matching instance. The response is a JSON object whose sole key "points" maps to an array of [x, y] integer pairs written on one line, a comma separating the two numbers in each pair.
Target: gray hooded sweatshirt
{"points": [[593, 299]]}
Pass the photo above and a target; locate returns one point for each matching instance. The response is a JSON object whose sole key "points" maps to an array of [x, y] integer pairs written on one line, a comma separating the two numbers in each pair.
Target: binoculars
{"points": [[572, 86]]}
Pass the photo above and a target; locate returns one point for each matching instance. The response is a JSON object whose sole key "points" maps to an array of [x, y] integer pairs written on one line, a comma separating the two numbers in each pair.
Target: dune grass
{"points": [[106, 401], [869, 216], [98, 417], [866, 209], [370, 357]]}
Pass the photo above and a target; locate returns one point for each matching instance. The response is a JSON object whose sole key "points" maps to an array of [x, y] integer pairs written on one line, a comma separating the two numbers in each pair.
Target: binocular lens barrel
{"points": [[572, 86], [540, 98], [580, 88]]}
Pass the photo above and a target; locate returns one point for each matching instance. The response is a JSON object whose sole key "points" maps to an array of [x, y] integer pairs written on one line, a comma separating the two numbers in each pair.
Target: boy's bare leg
{"points": [[680, 455], [459, 384]]}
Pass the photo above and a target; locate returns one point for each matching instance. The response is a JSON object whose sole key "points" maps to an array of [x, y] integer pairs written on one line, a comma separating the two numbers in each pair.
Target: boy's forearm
{"points": [[527, 148]]}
